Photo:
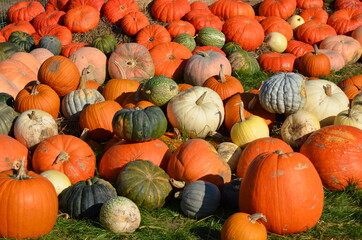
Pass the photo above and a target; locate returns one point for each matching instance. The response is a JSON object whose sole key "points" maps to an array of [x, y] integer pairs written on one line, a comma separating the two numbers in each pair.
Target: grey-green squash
{"points": [[7, 119], [187, 40], [7, 98], [144, 183], [52, 43], [209, 36], [7, 48], [24, 41], [159, 90]]}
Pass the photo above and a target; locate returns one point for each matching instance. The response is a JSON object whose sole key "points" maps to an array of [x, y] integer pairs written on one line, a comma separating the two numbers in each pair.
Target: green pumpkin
{"points": [[200, 199], [187, 40], [159, 90], [7, 119], [231, 47], [209, 36], [52, 43], [24, 41], [7, 98], [139, 124], [243, 63], [84, 199], [8, 48], [106, 43], [144, 183]]}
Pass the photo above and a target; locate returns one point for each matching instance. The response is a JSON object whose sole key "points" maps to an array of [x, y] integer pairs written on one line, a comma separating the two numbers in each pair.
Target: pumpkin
{"points": [[22, 192], [350, 117], [342, 166], [63, 33], [356, 102], [47, 18], [201, 18], [70, 48], [60, 73], [243, 63], [230, 152], [209, 36], [283, 86], [278, 8], [297, 127], [145, 183], [325, 100], [298, 48], [84, 199], [8, 48], [168, 11], [224, 85], [186, 40], [313, 32], [315, 64], [315, 13], [226, 9], [23, 41], [344, 21], [119, 89], [97, 4], [276, 42], [27, 59], [347, 46], [119, 154], [356, 34], [41, 54], [291, 173], [273, 62], [305, 4], [197, 112], [7, 118], [336, 60], [138, 124], [152, 35], [132, 22], [277, 24], [208, 167], [11, 150], [178, 27], [120, 215], [24, 11], [65, 153], [52, 43], [114, 10], [23, 26], [244, 30], [200, 199], [131, 61], [7, 99], [57, 5], [106, 43], [97, 118], [204, 65], [59, 180], [340, 4], [244, 226], [170, 59], [256, 147], [159, 90]]}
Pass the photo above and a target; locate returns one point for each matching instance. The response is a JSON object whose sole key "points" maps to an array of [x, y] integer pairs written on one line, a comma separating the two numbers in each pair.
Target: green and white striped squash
{"points": [[209, 36], [187, 40], [144, 183]]}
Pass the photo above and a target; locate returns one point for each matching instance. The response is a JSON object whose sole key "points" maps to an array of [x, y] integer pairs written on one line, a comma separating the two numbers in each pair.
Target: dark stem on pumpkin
{"points": [[62, 157], [222, 78], [328, 90], [31, 115], [256, 216], [19, 169], [201, 99], [34, 90], [349, 113], [84, 134]]}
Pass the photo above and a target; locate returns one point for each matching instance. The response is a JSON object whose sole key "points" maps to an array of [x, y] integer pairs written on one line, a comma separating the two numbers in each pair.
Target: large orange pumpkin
{"points": [[81, 19], [11, 150], [153, 35], [278, 8], [24, 11], [169, 10]]}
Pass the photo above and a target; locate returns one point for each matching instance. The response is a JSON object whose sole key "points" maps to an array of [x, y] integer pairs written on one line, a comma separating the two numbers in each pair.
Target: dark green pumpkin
{"points": [[7, 119], [106, 43], [8, 48], [187, 40], [52, 43], [144, 183], [24, 41], [209, 36], [243, 63], [231, 47], [230, 194], [84, 199], [7, 98], [139, 124]]}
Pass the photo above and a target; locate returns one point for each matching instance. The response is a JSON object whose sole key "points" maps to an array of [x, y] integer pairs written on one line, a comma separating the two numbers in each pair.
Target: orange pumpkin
{"points": [[179, 26], [132, 22], [10, 151], [344, 21], [273, 62], [169, 10], [226, 9], [97, 4], [47, 18], [61, 5], [315, 13], [306, 4], [298, 48], [117, 89], [153, 35], [61, 32], [82, 19], [351, 86], [277, 24], [24, 11], [23, 26], [70, 48], [313, 32], [114, 10], [278, 8], [315, 64]]}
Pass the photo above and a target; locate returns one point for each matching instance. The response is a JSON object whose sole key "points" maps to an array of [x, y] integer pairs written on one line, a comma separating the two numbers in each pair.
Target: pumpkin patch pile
{"points": [[106, 127]]}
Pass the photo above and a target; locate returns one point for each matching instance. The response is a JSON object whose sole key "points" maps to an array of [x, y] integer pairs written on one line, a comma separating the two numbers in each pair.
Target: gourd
{"points": [[7, 119], [230, 152], [59, 180], [350, 117], [159, 90]]}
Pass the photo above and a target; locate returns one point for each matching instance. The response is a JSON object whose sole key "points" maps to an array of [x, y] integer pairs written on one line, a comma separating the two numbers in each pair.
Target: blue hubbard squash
{"points": [[144, 183], [52, 43]]}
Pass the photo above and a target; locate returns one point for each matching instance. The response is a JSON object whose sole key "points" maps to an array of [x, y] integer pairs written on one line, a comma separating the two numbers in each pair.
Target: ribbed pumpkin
{"points": [[49, 17], [277, 24], [60, 73], [7, 118], [169, 10], [84, 199], [313, 32], [144, 183], [273, 62], [24, 11], [209, 166], [70, 48], [226, 9], [115, 10], [350, 117], [294, 200], [283, 86], [81, 19], [335, 152], [152, 35], [65, 153], [106, 43], [315, 64], [132, 22], [139, 124], [282, 8], [23, 41]]}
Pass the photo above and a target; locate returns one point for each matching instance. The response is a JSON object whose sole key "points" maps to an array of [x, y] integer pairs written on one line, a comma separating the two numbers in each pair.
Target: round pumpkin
{"points": [[11, 150], [59, 180], [106, 43], [159, 90], [52, 43], [23, 41]]}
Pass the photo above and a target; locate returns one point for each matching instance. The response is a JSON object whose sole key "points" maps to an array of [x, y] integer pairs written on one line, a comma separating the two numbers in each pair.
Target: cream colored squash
{"points": [[297, 127], [276, 41], [325, 100], [197, 111], [350, 117], [59, 180], [230, 153]]}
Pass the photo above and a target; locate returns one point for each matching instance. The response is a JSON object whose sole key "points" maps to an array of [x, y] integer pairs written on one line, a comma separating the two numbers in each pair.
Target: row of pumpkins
{"points": [[132, 93]]}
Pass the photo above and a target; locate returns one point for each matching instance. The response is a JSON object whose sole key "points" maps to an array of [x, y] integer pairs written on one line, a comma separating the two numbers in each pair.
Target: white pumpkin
{"points": [[350, 117], [230, 153], [297, 127], [197, 111], [33, 126], [325, 100], [59, 180]]}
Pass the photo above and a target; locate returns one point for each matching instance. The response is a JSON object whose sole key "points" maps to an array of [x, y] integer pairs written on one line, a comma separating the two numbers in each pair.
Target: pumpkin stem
{"points": [[120, 69], [256, 216], [19, 169], [177, 183], [34, 90], [62, 157], [241, 111], [279, 152], [315, 47], [83, 78], [201, 99], [89, 182], [222, 78], [204, 54], [328, 90], [252, 102], [32, 115], [84, 134]]}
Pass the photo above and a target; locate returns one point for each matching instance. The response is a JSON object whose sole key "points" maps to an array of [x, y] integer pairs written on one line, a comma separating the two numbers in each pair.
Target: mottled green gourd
{"points": [[7, 119], [52, 43], [209, 36], [8, 49], [231, 47], [106, 43], [144, 183], [159, 90], [139, 124], [7, 98], [187, 40], [243, 63], [24, 41], [84, 199]]}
